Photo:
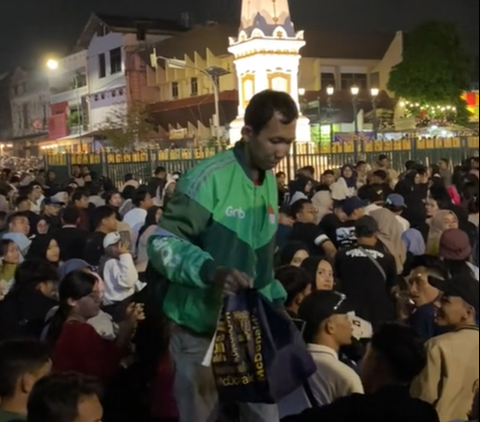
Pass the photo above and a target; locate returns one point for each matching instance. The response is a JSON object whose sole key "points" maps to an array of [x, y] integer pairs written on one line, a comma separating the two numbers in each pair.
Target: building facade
{"points": [[30, 107]]}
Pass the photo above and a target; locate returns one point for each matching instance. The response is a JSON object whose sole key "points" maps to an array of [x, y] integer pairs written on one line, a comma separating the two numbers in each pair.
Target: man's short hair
{"points": [[12, 217], [366, 227], [263, 106], [55, 398], [19, 357], [297, 206]]}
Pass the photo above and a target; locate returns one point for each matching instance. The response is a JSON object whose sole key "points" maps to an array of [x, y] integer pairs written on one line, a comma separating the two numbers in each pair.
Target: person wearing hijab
{"points": [[300, 189], [323, 203], [346, 185], [321, 272], [442, 220], [390, 235], [294, 253], [45, 248]]}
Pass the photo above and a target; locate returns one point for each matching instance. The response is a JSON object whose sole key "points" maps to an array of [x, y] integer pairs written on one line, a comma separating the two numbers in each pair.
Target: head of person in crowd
{"points": [[293, 253], [22, 364], [70, 216], [80, 298], [281, 178], [66, 397], [458, 306], [300, 187], [420, 289], [383, 162], [347, 172], [297, 283], [160, 172], [285, 216], [366, 231], [373, 193], [320, 270], [442, 220], [22, 204], [269, 115], [36, 275], [395, 357], [361, 167], [307, 171], [52, 205], [142, 199], [395, 203], [443, 164], [45, 247], [18, 222], [36, 191], [322, 201], [423, 174], [353, 208], [9, 253], [327, 321], [303, 211], [113, 245], [80, 199], [113, 199], [328, 177], [41, 226], [379, 177], [105, 219], [455, 251]]}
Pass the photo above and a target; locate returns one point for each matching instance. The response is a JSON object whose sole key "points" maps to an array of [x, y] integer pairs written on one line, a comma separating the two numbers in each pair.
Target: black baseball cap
{"points": [[349, 205], [321, 305], [463, 286], [52, 200]]}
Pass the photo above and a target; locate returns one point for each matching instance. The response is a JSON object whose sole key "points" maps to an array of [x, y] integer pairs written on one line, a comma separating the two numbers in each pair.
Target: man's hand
{"points": [[123, 248], [231, 280]]}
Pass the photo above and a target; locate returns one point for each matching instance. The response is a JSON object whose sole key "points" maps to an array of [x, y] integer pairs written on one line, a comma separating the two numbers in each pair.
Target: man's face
{"points": [[89, 410], [82, 202], [272, 144], [148, 202], [452, 311], [442, 165], [20, 225], [36, 192], [419, 289], [383, 163], [308, 214], [328, 179], [52, 209], [110, 223], [343, 329]]}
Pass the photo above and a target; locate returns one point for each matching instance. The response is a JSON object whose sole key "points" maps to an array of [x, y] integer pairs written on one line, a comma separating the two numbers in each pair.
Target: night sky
{"points": [[29, 29]]}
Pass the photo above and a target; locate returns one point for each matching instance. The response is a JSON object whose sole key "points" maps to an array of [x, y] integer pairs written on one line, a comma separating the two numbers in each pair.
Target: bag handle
{"points": [[375, 262]]}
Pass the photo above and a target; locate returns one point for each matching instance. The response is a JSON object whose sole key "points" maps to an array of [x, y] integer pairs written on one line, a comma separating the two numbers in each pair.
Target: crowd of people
{"points": [[109, 298]]}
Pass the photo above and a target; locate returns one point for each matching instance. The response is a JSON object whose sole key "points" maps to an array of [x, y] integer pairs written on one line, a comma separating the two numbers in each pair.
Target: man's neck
{"points": [[103, 230], [327, 341], [365, 241], [16, 405]]}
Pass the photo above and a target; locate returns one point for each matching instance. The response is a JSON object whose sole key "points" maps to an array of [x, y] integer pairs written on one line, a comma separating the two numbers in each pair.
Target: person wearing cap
{"points": [[306, 230], [327, 329], [117, 268], [51, 207], [451, 376], [353, 209], [367, 274], [395, 356], [396, 204]]}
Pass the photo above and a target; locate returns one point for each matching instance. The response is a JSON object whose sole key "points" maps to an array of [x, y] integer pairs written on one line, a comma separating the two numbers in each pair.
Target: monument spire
{"points": [[267, 16], [267, 56]]}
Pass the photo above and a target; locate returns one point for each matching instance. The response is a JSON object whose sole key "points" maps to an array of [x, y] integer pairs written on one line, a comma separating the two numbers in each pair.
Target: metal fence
{"points": [[320, 156]]}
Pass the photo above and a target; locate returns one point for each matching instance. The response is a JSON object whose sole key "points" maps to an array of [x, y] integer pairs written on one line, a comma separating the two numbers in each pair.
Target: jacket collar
{"points": [[240, 153]]}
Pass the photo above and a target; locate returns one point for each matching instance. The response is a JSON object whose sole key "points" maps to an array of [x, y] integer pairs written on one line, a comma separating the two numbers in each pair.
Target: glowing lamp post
{"points": [[374, 94]]}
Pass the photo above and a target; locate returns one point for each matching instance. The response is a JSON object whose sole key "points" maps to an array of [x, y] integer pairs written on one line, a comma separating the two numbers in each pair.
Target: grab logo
{"points": [[235, 213]]}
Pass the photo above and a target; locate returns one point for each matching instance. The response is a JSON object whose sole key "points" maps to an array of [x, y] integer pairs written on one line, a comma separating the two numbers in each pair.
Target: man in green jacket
{"points": [[216, 236]]}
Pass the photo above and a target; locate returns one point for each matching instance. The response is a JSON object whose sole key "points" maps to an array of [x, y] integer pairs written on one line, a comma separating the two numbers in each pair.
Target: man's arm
{"points": [[172, 248]]}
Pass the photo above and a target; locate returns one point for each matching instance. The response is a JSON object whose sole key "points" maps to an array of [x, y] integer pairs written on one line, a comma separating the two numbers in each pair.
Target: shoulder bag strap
{"points": [[371, 258]]}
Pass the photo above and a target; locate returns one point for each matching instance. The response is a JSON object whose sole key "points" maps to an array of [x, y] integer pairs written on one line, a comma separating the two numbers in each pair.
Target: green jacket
{"points": [[217, 217]]}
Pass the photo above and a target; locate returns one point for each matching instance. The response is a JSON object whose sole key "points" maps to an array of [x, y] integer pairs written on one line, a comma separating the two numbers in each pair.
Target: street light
{"points": [[301, 92], [374, 93], [53, 65], [330, 90], [212, 72], [355, 90]]}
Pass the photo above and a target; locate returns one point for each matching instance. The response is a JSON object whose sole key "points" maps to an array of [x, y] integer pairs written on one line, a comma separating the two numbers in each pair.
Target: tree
{"points": [[126, 126], [434, 72]]}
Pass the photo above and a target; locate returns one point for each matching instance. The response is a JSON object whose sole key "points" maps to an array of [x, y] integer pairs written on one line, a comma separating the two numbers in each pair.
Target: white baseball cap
{"points": [[111, 239]]}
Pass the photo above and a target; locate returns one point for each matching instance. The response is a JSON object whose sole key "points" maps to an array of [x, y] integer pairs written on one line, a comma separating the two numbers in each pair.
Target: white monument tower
{"points": [[267, 56]]}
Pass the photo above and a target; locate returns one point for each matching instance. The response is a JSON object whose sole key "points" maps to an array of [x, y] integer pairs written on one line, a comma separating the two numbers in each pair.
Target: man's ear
{"points": [[246, 133]]}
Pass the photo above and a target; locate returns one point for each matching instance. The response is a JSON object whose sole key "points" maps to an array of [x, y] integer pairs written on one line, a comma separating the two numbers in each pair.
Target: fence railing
{"points": [[320, 156]]}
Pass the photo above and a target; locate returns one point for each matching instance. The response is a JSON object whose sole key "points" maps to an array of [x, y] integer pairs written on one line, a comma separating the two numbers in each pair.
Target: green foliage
{"points": [[435, 69], [73, 119], [127, 125]]}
